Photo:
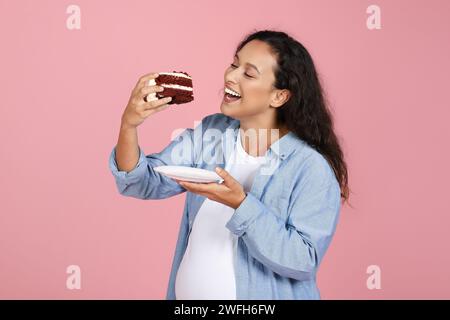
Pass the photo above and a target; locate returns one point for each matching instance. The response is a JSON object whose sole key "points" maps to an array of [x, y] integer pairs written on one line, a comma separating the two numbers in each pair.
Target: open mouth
{"points": [[230, 96]]}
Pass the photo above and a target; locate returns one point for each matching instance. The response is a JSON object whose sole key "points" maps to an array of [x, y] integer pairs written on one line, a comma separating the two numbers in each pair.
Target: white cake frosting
{"points": [[176, 86]]}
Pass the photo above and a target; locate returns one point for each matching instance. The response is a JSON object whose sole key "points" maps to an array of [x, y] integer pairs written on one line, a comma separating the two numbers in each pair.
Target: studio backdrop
{"points": [[67, 72]]}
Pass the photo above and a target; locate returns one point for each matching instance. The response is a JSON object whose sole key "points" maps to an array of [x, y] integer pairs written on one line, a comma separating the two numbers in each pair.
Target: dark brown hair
{"points": [[305, 113]]}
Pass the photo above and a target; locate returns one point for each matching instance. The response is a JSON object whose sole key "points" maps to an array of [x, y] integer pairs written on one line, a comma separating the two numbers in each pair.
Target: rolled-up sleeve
{"points": [[291, 247], [142, 182], [124, 178]]}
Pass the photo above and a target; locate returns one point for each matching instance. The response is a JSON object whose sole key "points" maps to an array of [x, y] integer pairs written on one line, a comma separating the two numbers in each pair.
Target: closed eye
{"points": [[234, 66]]}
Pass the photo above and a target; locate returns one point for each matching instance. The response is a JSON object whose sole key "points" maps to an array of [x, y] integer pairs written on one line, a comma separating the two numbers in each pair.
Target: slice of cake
{"points": [[177, 85]]}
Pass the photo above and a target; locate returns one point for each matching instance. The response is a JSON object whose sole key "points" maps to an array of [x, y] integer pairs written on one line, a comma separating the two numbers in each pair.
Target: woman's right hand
{"points": [[138, 109]]}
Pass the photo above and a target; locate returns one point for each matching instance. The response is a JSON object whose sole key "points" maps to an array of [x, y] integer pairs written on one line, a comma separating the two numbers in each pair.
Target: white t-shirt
{"points": [[207, 268]]}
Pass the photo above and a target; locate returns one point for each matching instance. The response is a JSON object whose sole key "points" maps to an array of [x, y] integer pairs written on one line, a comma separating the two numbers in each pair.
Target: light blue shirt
{"points": [[285, 223]]}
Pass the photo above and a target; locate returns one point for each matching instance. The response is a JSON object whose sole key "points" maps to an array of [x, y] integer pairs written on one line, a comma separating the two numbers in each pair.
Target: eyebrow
{"points": [[251, 65]]}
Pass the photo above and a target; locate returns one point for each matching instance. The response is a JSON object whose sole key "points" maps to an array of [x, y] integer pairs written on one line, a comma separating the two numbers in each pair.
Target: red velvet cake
{"points": [[177, 85]]}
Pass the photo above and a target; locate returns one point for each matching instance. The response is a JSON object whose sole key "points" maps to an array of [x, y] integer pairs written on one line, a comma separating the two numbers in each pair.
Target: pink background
{"points": [[63, 92]]}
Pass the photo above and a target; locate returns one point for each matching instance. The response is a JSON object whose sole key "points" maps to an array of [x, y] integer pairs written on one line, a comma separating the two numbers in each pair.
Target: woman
{"points": [[261, 233]]}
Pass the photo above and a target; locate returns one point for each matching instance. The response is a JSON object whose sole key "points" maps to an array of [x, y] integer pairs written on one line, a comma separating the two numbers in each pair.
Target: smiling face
{"points": [[252, 76]]}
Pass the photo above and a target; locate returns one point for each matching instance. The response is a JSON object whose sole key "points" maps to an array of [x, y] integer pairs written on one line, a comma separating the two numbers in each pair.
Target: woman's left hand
{"points": [[230, 192]]}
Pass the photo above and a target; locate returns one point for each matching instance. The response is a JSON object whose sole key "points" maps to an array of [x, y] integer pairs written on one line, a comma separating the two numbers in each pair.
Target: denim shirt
{"points": [[284, 224]]}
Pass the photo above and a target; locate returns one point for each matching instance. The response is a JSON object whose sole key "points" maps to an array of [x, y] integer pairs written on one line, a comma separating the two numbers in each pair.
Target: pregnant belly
{"points": [[207, 272]]}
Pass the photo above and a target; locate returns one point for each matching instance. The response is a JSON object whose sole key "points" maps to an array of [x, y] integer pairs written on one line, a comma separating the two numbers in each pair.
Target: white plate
{"points": [[189, 174]]}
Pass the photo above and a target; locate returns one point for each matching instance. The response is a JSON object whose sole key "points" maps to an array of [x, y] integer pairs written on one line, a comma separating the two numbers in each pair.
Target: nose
{"points": [[231, 77]]}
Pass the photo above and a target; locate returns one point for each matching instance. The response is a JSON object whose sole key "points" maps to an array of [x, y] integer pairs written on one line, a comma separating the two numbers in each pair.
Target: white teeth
{"points": [[233, 93]]}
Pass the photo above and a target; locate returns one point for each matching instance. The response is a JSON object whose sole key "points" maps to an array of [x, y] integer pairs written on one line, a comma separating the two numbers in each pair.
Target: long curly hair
{"points": [[305, 113]]}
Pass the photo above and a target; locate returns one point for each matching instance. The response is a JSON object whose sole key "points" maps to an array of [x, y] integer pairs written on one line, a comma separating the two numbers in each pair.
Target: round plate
{"points": [[189, 174]]}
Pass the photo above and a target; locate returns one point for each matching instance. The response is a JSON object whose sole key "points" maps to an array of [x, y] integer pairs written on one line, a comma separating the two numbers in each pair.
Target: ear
{"points": [[281, 96]]}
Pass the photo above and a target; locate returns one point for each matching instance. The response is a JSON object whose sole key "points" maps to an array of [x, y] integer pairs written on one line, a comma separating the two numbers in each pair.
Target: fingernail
{"points": [[218, 169]]}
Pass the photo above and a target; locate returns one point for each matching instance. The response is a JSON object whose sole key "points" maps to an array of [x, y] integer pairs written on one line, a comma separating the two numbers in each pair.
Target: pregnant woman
{"points": [[262, 232]]}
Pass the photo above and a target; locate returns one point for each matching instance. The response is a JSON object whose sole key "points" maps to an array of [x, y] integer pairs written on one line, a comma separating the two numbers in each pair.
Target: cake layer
{"points": [[177, 96], [166, 79]]}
